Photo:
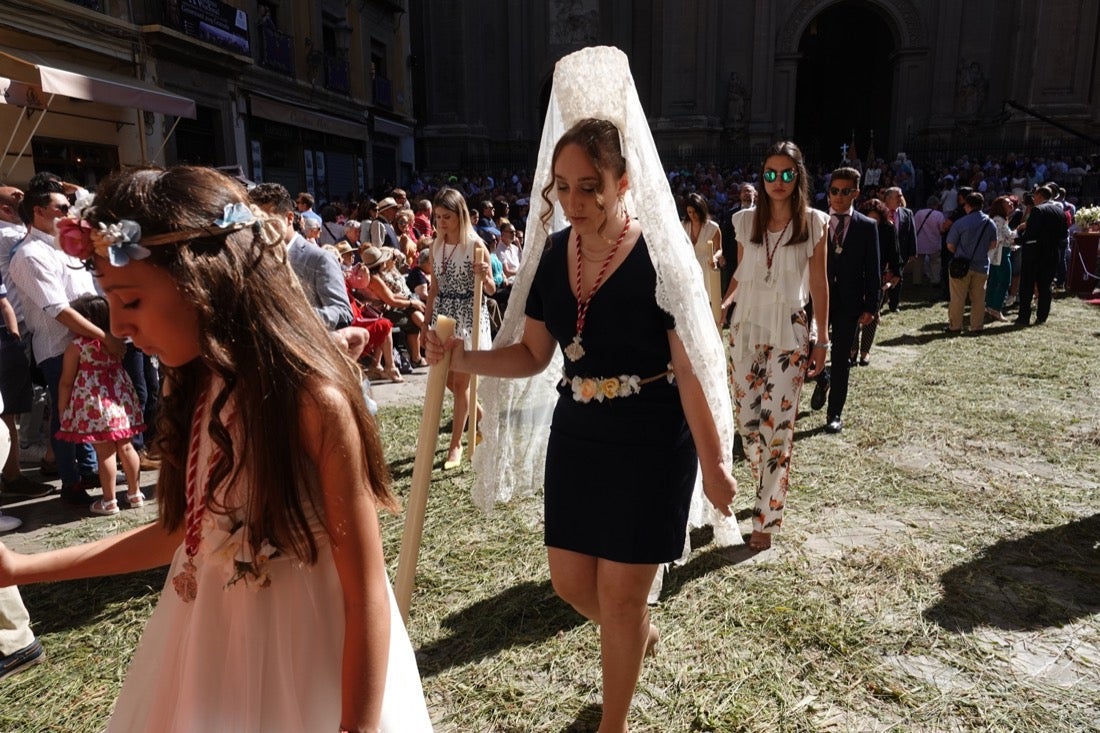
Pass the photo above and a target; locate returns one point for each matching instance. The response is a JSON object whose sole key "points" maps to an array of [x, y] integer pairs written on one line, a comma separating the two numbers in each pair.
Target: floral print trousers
{"points": [[766, 387]]}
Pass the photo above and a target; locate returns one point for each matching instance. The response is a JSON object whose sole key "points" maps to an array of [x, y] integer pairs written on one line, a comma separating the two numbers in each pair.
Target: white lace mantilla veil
{"points": [[596, 82]]}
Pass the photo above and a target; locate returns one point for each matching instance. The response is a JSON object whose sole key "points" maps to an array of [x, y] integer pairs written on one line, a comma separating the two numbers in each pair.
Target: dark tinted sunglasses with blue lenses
{"points": [[786, 176]]}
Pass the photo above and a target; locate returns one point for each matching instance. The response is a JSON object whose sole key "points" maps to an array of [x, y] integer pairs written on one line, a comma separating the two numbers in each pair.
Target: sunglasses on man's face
{"points": [[842, 191], [786, 176]]}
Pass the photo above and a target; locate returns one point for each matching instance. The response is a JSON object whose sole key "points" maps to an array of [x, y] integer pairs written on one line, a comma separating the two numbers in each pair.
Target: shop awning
{"points": [[33, 80], [290, 114]]}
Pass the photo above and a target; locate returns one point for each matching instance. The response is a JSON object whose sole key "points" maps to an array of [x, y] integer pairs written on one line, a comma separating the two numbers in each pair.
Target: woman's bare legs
{"points": [[459, 384], [613, 595]]}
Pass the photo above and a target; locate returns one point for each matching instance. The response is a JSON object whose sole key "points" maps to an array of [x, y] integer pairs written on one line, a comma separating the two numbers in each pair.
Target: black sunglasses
{"points": [[787, 176], [63, 208], [842, 191]]}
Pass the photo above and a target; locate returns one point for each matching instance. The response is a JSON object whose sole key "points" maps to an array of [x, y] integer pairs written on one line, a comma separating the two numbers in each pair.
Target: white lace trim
{"points": [[596, 82]]}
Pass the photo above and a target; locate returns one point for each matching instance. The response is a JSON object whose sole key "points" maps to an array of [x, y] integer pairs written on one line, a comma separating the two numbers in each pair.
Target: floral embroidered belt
{"points": [[586, 389]]}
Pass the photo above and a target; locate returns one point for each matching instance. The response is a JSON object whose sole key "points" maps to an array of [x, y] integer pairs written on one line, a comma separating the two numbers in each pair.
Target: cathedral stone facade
{"points": [[726, 77]]}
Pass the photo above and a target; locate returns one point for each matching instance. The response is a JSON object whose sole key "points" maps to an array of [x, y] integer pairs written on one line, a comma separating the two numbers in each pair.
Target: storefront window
{"points": [[78, 162]]}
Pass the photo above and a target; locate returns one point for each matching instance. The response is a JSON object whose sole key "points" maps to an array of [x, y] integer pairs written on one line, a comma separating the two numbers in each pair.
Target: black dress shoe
{"points": [[1020, 322], [834, 425], [821, 393], [76, 494]]}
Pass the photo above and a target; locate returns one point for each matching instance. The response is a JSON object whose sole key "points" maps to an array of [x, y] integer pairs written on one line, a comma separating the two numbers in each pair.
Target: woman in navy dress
{"points": [[631, 422]]}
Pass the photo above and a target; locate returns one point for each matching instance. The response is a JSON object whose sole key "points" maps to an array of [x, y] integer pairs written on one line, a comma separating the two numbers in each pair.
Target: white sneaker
{"points": [[7, 524]]}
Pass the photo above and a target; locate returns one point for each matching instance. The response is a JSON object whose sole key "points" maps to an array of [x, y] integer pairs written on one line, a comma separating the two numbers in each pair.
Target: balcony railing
{"points": [[383, 92], [276, 51], [337, 74]]}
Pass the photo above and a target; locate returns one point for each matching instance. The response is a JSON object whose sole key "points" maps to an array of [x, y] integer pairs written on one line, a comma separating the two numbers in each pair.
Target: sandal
{"points": [[375, 373], [453, 463], [104, 508], [136, 501], [393, 374], [760, 541]]}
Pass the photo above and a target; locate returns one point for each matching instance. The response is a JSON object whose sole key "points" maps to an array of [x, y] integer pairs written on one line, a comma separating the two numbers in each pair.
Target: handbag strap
{"points": [[926, 218], [980, 238]]}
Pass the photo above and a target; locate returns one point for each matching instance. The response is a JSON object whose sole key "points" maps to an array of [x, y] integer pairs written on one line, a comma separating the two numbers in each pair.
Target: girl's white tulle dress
{"points": [[241, 658]]}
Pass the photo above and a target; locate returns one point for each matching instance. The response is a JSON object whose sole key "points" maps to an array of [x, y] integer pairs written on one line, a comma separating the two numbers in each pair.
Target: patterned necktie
{"points": [[839, 231]]}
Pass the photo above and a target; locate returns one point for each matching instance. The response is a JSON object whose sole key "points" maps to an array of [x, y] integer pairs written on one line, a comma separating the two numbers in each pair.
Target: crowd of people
{"points": [[160, 292]]}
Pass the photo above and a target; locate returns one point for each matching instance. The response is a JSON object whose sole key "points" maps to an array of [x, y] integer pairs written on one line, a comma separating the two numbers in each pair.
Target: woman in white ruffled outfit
{"points": [[781, 262]]}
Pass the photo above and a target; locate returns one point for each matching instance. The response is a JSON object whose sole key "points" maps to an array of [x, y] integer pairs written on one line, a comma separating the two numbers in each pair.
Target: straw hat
{"points": [[375, 256], [345, 248]]}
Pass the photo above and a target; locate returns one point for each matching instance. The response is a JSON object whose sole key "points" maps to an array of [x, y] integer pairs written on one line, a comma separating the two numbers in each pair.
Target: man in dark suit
{"points": [[854, 275], [902, 219], [1042, 234]]}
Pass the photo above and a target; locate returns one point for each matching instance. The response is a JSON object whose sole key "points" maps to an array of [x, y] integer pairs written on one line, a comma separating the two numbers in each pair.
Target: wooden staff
{"points": [[475, 338], [422, 471]]}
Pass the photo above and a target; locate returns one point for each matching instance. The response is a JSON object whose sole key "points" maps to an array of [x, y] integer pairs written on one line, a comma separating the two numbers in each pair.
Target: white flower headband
{"points": [[122, 241]]}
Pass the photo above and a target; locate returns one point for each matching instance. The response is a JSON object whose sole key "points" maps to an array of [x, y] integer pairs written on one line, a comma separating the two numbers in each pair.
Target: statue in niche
{"points": [[971, 90], [574, 22], [737, 97]]}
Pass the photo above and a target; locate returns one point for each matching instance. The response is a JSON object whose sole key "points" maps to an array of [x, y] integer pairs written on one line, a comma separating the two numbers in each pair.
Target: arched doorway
{"points": [[845, 82]]}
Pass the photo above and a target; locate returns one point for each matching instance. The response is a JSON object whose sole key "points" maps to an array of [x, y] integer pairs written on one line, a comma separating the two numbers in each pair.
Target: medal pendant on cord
{"points": [[185, 583], [574, 351]]}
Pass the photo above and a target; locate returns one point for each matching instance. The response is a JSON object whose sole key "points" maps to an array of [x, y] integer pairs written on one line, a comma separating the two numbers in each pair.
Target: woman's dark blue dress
{"points": [[619, 472]]}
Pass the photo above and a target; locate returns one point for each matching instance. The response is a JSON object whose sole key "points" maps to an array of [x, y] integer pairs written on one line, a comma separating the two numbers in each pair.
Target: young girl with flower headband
{"points": [[277, 614], [98, 404]]}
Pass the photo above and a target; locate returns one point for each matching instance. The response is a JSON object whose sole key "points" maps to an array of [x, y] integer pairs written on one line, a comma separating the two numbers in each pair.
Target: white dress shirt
{"points": [[47, 280], [10, 236]]}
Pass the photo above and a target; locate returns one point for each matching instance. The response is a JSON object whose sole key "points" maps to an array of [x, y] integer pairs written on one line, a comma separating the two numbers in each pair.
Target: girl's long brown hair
{"points": [[800, 197], [260, 336]]}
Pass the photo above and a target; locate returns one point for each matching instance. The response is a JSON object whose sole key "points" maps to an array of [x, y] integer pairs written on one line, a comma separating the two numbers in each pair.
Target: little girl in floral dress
{"points": [[98, 405]]}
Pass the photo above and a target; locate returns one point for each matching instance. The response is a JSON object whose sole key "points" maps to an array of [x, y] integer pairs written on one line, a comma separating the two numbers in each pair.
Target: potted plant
{"points": [[1088, 218]]}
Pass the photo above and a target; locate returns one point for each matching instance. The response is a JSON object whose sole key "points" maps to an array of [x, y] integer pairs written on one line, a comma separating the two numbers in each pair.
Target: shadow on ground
{"points": [[1045, 579], [530, 613], [53, 608]]}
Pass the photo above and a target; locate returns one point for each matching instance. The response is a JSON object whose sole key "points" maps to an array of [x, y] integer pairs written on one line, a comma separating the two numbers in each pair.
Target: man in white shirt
{"points": [[12, 231], [19, 650], [47, 280]]}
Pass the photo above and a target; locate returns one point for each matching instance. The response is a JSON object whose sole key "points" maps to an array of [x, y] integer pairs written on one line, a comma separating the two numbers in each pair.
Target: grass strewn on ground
{"points": [[939, 571]]}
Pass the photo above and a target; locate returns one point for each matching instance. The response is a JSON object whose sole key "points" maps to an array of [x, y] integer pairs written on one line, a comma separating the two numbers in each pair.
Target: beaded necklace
{"points": [[574, 351]]}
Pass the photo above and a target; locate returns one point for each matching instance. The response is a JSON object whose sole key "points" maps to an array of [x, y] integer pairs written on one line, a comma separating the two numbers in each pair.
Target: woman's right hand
{"points": [[434, 349]]}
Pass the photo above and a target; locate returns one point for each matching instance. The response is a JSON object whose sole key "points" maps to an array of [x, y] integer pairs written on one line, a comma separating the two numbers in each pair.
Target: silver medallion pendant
{"points": [[768, 276], [574, 351]]}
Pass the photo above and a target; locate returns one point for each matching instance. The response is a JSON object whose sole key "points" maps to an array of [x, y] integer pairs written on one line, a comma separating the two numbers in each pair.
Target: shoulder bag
{"points": [[959, 266]]}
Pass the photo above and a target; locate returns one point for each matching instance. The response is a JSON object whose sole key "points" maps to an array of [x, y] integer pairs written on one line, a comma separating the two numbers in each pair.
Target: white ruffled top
{"points": [[763, 312]]}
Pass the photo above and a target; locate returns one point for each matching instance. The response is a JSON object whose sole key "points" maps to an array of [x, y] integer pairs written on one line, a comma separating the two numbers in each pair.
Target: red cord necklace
{"points": [[185, 582], [574, 350], [446, 260]]}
